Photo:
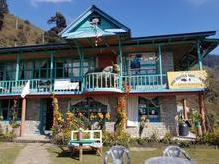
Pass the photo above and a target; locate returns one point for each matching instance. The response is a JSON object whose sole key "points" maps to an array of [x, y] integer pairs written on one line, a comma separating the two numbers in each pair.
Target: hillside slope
{"points": [[23, 33]]}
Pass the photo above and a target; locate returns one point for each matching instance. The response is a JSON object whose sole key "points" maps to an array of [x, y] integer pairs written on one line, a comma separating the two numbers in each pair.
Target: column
{"points": [[23, 115], [17, 67], [160, 64], [185, 115], [120, 63], [199, 55], [202, 112], [51, 70]]}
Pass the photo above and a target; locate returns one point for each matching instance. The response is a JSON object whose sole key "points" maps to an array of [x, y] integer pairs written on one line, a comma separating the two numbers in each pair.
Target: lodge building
{"points": [[79, 72]]}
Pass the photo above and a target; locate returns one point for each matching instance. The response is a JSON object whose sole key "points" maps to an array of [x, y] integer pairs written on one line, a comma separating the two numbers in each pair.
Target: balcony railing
{"points": [[16, 87], [101, 81], [92, 82], [146, 82]]}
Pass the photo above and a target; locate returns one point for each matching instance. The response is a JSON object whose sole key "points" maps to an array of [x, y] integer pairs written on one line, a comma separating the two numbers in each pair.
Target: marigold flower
{"points": [[100, 115]]}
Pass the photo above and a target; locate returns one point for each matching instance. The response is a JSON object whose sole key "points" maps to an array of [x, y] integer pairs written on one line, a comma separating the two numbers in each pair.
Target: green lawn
{"points": [[200, 155], [9, 152]]}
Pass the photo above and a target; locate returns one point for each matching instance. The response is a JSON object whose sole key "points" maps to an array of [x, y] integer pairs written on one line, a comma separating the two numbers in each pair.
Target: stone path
{"points": [[33, 153]]}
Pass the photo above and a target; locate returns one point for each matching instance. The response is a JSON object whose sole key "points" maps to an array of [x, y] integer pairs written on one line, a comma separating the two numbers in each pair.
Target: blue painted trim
{"points": [[199, 55], [160, 64], [87, 13], [17, 67]]}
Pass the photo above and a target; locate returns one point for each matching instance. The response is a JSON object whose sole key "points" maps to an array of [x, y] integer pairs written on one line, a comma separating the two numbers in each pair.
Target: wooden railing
{"points": [[91, 82], [101, 81], [146, 82], [16, 87]]}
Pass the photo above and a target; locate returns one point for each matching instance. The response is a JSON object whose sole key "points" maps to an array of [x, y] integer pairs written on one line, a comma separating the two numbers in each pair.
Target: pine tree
{"points": [[59, 20], [3, 10], [3, 6]]}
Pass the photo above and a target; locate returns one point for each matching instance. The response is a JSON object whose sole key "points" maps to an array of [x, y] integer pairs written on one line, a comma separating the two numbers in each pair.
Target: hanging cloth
{"points": [[132, 109]]}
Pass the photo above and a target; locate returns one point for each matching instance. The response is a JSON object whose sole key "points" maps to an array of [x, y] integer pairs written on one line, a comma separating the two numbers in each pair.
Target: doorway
{"points": [[49, 114]]}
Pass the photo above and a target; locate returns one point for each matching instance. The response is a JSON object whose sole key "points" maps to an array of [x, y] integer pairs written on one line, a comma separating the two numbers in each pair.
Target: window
{"points": [[89, 105], [149, 108], [70, 68], [34, 69], [6, 109], [142, 64], [7, 71]]}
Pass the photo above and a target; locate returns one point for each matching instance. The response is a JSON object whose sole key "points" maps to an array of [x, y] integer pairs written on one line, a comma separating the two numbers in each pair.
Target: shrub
{"points": [[111, 139], [209, 138], [167, 138], [154, 137]]}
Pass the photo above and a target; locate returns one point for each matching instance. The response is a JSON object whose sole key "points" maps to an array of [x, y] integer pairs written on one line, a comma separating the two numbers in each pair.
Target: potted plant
{"points": [[197, 122]]}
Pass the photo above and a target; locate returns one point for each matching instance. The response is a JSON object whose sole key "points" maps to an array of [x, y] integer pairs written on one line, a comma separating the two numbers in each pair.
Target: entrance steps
{"points": [[33, 139], [189, 137]]}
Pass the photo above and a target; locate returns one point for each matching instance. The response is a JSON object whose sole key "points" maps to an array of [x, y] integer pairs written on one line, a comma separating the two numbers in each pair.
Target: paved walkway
{"points": [[33, 153]]}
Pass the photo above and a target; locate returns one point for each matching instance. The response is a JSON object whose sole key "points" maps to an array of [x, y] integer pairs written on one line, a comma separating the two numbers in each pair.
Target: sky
{"points": [[143, 17]]}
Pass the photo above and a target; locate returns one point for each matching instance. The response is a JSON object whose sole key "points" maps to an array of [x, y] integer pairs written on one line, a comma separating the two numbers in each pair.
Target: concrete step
{"points": [[33, 139], [189, 137]]}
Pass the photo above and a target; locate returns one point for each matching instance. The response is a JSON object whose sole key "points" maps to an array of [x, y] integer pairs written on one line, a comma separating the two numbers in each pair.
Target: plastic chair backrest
{"points": [[117, 153], [175, 151]]}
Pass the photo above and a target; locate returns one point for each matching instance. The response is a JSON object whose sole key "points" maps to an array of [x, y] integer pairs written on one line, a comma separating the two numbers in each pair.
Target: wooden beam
{"points": [[120, 63], [202, 112], [160, 64], [199, 55], [23, 116], [185, 114], [17, 67]]}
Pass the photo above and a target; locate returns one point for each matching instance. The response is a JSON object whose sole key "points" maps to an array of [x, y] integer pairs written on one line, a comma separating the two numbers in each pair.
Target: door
{"points": [[49, 115]]}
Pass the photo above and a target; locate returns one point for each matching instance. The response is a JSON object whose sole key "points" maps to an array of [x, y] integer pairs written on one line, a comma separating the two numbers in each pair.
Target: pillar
{"points": [[202, 112], [51, 70], [23, 115], [160, 64], [17, 67], [120, 63], [185, 114], [199, 55]]}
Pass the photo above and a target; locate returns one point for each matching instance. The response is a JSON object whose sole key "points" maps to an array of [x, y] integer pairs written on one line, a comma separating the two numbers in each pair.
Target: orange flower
{"points": [[80, 114], [100, 115], [107, 116]]}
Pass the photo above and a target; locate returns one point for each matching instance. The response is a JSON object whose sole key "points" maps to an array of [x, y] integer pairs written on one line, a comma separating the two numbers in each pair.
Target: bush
{"points": [[110, 139], [168, 138], [209, 138]]}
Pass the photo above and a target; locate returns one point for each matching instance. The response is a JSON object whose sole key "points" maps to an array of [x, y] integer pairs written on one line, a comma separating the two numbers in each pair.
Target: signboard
{"points": [[66, 85], [187, 79]]}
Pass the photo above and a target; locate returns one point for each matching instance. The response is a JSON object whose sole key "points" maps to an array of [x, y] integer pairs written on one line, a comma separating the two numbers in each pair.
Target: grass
{"points": [[9, 152], [200, 155]]}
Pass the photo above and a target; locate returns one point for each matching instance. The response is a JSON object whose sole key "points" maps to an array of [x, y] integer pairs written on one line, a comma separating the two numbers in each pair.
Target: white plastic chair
{"points": [[175, 151], [117, 153]]}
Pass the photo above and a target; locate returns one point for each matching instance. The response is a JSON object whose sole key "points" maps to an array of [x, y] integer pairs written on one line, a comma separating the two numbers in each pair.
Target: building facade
{"points": [[87, 73]]}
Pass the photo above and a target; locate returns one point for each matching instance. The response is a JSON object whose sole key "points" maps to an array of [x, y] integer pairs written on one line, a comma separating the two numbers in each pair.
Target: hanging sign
{"points": [[187, 79]]}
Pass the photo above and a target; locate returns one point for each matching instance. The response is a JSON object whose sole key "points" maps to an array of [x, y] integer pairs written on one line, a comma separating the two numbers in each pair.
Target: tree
{"points": [[3, 10], [59, 20], [3, 6]]}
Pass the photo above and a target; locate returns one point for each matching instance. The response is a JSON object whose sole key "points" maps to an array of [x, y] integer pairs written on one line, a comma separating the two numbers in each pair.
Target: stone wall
{"points": [[167, 124], [33, 109], [32, 122], [169, 113]]}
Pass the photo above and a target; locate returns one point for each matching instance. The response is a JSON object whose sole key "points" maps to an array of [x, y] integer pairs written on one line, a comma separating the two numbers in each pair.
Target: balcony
{"points": [[146, 83], [109, 82], [101, 81]]}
